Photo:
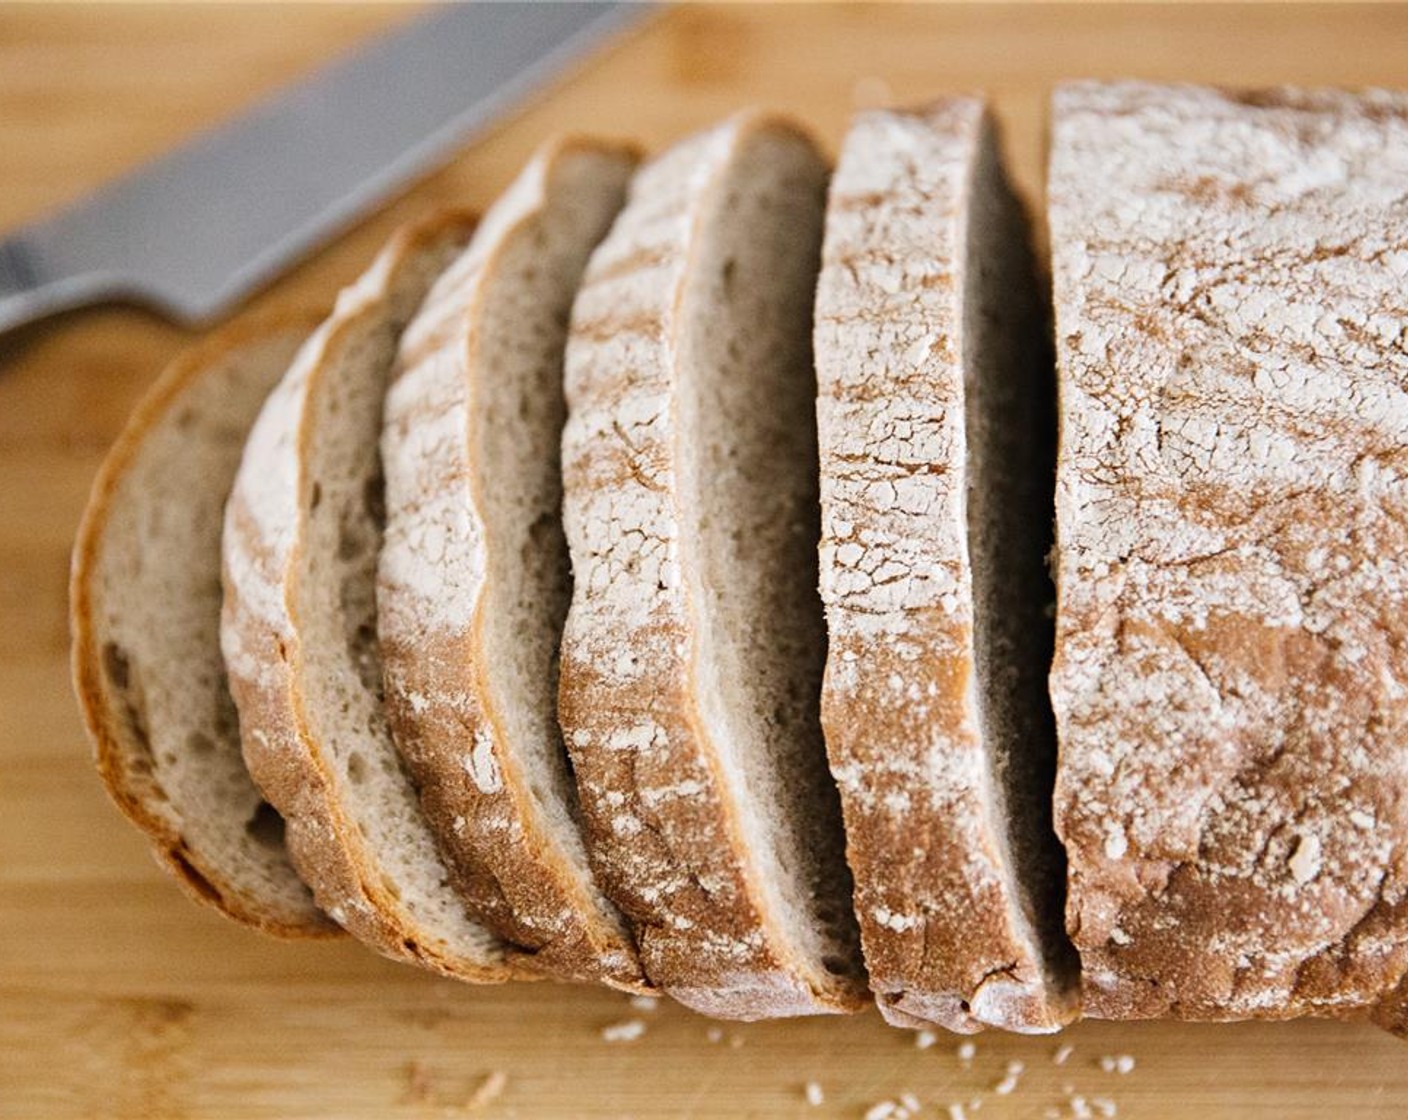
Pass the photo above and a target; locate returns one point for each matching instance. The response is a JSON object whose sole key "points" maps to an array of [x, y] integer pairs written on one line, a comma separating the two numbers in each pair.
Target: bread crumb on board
{"points": [[487, 1091], [1117, 1063], [1062, 1054], [1009, 1081], [967, 1051], [645, 1003], [813, 1093], [628, 1030], [924, 1039]]}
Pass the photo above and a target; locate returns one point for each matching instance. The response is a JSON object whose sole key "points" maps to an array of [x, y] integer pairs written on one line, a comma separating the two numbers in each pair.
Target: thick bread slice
{"points": [[302, 530], [692, 657], [935, 401], [145, 603], [474, 582], [1231, 677]]}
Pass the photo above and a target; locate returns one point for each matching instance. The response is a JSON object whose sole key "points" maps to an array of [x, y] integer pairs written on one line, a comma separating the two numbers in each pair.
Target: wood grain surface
{"points": [[118, 997]]}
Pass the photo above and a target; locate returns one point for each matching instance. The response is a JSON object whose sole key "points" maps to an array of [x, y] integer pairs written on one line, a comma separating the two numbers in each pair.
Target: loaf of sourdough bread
{"points": [[145, 603], [1231, 676], [934, 405], [693, 651], [474, 578], [302, 532]]}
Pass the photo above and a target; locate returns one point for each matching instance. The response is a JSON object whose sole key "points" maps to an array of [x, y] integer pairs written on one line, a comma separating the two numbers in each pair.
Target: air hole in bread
{"points": [[356, 768], [265, 826], [374, 500], [199, 743], [195, 878], [350, 542], [315, 497], [116, 666]]}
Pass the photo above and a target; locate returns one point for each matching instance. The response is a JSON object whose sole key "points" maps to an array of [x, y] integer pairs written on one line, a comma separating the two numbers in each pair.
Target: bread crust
{"points": [[264, 529], [433, 591], [940, 921], [1231, 666], [123, 756], [661, 818]]}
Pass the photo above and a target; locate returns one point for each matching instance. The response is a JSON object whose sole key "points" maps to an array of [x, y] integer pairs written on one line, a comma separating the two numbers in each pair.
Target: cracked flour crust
{"points": [[666, 813], [943, 938], [1232, 502], [482, 744], [353, 829]]}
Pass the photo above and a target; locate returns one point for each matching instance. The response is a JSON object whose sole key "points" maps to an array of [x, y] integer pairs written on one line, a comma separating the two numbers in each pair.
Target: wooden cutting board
{"points": [[118, 997]]}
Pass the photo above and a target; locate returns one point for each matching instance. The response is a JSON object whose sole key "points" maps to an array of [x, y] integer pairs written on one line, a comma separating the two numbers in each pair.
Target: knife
{"points": [[192, 232]]}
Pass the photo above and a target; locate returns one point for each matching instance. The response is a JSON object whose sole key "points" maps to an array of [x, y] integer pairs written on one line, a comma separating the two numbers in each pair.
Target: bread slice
{"points": [[302, 531], [474, 580], [1231, 677], [935, 400], [145, 604], [692, 657]]}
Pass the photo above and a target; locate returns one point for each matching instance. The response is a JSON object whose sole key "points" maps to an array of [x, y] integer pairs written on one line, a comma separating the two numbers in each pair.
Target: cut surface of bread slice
{"points": [[935, 414], [692, 657], [474, 581], [1231, 676], [302, 531], [145, 603]]}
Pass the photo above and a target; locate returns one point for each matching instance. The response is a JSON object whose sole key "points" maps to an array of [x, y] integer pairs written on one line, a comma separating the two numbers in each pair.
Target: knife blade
{"points": [[193, 231]]}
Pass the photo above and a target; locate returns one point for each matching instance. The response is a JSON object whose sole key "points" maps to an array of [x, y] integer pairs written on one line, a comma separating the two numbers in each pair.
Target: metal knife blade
{"points": [[191, 232]]}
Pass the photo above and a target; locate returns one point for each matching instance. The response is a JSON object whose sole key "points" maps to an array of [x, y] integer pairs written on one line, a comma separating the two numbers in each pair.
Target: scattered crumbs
{"points": [[1080, 1110], [1117, 1063], [1063, 1053], [967, 1051], [1104, 1106], [735, 1041], [925, 1039], [645, 1003], [957, 1112], [881, 1110], [815, 1097], [627, 1031], [488, 1090], [910, 1103], [1009, 1081], [714, 1034]]}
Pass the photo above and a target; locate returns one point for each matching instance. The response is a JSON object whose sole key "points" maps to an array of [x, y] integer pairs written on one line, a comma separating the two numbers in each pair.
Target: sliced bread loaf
{"points": [[474, 580], [302, 531], [1231, 677], [935, 401], [692, 657], [145, 604]]}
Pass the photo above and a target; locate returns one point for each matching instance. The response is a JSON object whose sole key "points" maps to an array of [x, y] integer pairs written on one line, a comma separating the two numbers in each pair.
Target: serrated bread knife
{"points": [[191, 232]]}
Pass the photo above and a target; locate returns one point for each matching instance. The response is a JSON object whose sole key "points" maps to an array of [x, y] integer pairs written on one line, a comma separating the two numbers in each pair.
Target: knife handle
{"points": [[26, 295]]}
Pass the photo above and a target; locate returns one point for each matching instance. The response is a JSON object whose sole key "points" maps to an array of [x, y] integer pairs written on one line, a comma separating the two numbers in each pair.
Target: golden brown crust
{"points": [[123, 758], [266, 658], [660, 813], [935, 893], [432, 602], [1231, 675]]}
